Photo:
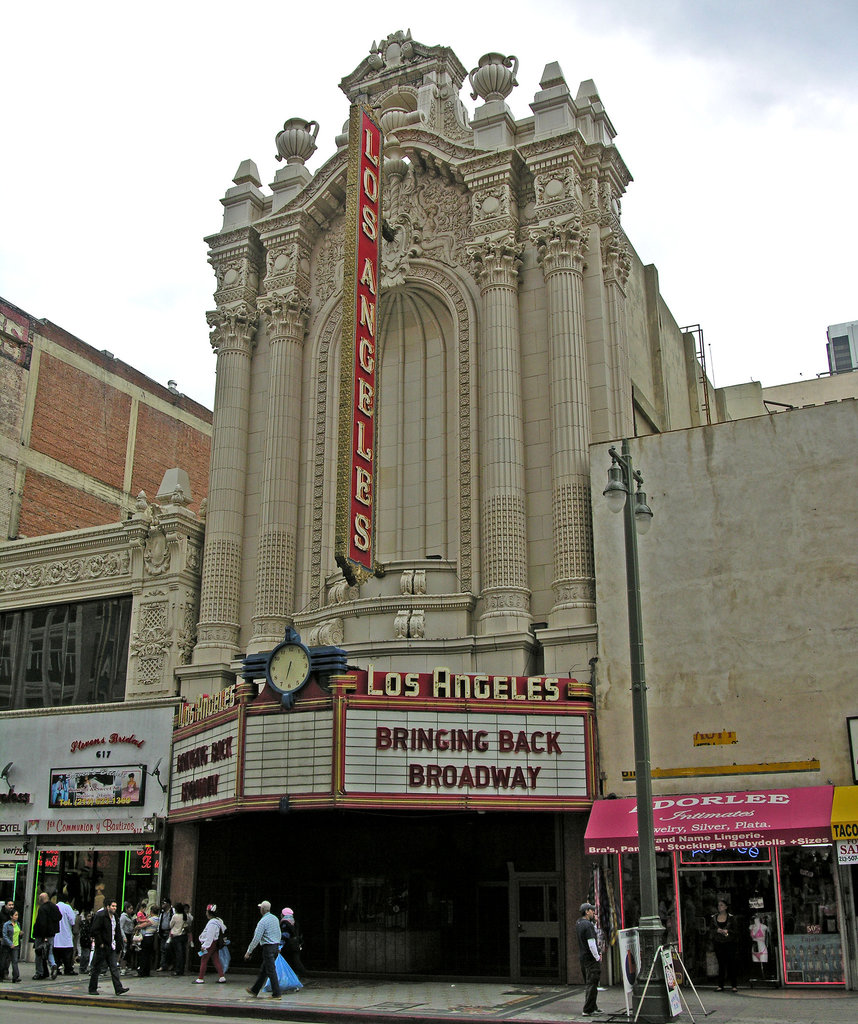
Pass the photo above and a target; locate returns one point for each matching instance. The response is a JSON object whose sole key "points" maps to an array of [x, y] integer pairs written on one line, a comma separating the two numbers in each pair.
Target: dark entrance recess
{"points": [[408, 893]]}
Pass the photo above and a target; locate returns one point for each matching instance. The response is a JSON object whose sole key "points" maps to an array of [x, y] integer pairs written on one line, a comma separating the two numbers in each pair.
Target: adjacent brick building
{"points": [[82, 433]]}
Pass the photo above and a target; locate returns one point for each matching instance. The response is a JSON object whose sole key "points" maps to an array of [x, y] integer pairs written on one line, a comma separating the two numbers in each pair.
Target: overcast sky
{"points": [[123, 125]]}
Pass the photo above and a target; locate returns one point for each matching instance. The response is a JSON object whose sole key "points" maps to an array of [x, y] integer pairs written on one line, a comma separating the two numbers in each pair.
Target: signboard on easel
{"points": [[670, 983], [630, 961]]}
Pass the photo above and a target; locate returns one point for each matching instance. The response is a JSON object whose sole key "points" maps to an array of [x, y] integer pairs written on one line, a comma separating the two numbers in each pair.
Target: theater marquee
{"points": [[358, 441]]}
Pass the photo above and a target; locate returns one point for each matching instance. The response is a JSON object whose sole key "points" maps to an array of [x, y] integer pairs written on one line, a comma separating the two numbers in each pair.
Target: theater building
{"points": [[508, 325]]}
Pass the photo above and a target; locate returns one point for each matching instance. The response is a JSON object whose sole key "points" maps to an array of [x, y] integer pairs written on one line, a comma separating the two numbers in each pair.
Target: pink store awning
{"points": [[716, 821]]}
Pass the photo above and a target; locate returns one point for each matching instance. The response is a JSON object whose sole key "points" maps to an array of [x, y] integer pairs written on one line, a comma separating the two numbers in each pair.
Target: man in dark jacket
{"points": [[107, 937], [45, 927], [590, 957]]}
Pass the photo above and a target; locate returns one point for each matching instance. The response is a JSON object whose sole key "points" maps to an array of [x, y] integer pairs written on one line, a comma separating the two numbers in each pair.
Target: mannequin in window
{"points": [[759, 930]]}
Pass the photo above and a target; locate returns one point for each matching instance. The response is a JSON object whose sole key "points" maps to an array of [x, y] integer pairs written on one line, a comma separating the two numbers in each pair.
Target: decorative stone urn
{"points": [[493, 79], [297, 142]]}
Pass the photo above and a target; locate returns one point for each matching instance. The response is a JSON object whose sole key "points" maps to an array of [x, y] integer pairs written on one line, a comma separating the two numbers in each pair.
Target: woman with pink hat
{"points": [[290, 945]]}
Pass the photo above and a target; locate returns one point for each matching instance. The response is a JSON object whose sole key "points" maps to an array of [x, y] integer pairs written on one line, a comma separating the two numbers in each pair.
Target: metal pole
{"points": [[649, 926]]}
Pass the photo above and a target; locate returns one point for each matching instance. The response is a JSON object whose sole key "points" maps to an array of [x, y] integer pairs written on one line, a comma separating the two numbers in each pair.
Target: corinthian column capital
{"points": [[285, 314], [496, 263], [560, 246], [233, 330], [616, 258]]}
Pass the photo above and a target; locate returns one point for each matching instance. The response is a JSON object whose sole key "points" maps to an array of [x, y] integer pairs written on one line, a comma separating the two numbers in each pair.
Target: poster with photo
{"points": [[118, 786]]}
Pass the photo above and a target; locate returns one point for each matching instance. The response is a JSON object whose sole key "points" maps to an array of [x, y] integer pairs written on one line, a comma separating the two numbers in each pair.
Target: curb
{"points": [[262, 1010]]}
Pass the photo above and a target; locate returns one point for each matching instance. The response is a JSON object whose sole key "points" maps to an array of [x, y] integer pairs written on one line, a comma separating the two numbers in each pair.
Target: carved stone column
{"points": [[616, 266], [560, 250], [232, 338], [505, 593], [285, 317]]}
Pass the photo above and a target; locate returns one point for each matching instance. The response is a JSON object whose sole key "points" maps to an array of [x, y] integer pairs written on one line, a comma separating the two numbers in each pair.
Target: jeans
{"points": [[104, 955], [268, 969], [144, 961], [44, 957]]}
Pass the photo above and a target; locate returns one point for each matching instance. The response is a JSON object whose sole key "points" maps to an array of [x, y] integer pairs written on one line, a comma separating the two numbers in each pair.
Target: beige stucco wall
{"points": [[748, 580]]}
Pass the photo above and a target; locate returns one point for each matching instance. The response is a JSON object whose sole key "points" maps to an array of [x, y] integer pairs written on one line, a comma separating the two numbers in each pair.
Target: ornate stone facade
{"points": [[504, 340]]}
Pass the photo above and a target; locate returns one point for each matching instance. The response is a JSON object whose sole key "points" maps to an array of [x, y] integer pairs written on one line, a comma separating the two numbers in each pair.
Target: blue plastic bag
{"points": [[225, 956], [286, 977]]}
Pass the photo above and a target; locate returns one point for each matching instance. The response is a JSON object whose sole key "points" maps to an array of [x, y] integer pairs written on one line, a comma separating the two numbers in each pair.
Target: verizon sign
{"points": [[358, 442]]}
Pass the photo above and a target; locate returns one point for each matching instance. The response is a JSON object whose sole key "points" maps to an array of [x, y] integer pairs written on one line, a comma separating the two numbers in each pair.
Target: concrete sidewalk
{"points": [[335, 999]]}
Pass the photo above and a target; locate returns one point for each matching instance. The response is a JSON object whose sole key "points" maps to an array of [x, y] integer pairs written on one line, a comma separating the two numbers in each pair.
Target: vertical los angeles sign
{"points": [[358, 440]]}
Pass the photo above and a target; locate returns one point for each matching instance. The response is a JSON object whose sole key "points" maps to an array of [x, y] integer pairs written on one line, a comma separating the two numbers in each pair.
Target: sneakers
{"points": [[199, 981], [221, 981], [590, 1013]]}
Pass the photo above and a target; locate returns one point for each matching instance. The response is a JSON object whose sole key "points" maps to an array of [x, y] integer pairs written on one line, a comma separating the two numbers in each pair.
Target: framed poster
{"points": [[118, 786]]}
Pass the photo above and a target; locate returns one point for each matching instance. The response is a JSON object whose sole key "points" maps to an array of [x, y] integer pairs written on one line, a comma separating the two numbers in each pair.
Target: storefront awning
{"points": [[716, 821]]}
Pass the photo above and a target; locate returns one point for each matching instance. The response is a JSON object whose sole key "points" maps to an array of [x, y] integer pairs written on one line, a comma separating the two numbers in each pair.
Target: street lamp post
{"points": [[622, 495]]}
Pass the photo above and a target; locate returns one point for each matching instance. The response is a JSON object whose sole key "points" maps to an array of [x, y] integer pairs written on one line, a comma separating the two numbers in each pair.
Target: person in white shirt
{"points": [[64, 939]]}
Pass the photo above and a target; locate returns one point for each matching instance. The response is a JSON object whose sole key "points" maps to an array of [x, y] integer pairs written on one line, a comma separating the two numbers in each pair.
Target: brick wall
{"points": [[81, 421], [161, 444], [50, 506]]}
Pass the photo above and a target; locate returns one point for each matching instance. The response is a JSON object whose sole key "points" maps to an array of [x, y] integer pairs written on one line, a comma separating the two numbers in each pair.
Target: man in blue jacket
{"points": [[267, 937]]}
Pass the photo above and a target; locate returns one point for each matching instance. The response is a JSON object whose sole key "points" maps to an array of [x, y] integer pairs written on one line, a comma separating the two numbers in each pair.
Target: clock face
{"points": [[289, 667]]}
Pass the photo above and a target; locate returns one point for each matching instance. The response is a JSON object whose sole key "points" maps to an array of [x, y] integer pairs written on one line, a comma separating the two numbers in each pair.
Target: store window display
{"points": [[812, 944]]}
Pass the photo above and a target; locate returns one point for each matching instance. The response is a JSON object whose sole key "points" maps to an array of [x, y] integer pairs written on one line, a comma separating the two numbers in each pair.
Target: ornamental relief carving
{"points": [[555, 186], [428, 218], [187, 636], [71, 570], [497, 262], [327, 272], [330, 633], [506, 600], [156, 554], [154, 637]]}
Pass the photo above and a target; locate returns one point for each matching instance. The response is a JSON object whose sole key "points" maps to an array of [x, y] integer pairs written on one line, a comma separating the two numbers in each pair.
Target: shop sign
{"points": [[358, 441], [444, 685], [104, 741], [13, 851], [474, 754], [116, 786], [90, 826], [847, 851], [15, 798], [206, 706]]}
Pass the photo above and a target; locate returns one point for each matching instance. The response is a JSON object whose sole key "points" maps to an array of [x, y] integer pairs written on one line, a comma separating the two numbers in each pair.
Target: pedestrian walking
{"points": [[290, 942], [45, 927], [211, 943], [11, 947], [107, 944], [589, 957], [267, 937], [64, 939], [85, 939]]}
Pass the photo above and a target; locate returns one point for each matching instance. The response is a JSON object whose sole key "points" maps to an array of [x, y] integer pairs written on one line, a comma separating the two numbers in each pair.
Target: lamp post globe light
{"points": [[624, 493]]}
